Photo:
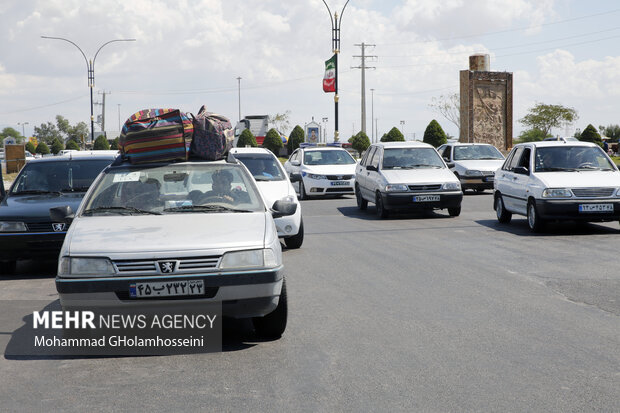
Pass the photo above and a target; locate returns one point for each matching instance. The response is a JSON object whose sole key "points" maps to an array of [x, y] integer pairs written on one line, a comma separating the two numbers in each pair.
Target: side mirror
{"points": [[295, 163], [445, 158], [522, 170], [450, 164], [371, 168], [62, 214], [295, 177], [282, 208]]}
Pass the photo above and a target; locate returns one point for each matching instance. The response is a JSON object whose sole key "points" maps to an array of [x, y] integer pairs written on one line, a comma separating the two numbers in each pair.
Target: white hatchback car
{"points": [[557, 180], [406, 176], [201, 225], [274, 185], [322, 170], [473, 163]]}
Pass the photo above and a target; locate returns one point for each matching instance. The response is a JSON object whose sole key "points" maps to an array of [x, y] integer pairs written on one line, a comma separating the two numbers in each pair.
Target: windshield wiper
{"points": [[75, 189], [120, 209], [204, 208], [423, 165], [35, 191], [488, 158], [261, 178], [558, 170]]}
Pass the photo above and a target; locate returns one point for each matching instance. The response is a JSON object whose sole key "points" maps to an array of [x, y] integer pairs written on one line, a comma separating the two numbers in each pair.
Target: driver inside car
{"points": [[221, 189]]}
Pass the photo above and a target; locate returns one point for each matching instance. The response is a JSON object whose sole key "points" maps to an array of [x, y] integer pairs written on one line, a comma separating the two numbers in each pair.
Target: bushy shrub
{"points": [[360, 142], [246, 139], [273, 141], [394, 135], [434, 134], [295, 138], [42, 148], [101, 144]]}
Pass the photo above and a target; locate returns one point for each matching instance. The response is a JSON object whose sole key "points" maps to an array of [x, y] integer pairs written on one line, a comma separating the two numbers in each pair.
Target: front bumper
{"points": [[288, 226], [315, 187], [30, 245], [481, 182], [405, 201], [568, 209], [242, 294]]}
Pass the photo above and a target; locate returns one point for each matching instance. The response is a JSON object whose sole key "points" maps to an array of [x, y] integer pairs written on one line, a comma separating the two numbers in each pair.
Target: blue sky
{"points": [[190, 53]]}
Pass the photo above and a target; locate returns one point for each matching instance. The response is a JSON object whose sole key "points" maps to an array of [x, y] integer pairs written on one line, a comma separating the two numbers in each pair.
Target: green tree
{"points": [[611, 131], [394, 135], [434, 134], [590, 134], [71, 144], [359, 142], [246, 139], [101, 144], [273, 141], [30, 147], [449, 106], [546, 117], [47, 132], [532, 135], [78, 131], [9, 132], [42, 148], [114, 145], [281, 121], [296, 137], [57, 146], [63, 125]]}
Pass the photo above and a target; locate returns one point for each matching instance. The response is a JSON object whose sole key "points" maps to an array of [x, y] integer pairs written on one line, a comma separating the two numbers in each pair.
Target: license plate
{"points": [[426, 198], [596, 207], [167, 288], [488, 179], [340, 183]]}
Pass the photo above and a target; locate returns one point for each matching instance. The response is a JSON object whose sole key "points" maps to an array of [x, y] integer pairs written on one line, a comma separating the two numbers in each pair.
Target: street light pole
{"points": [[372, 115], [336, 23], [239, 91], [90, 67], [23, 129]]}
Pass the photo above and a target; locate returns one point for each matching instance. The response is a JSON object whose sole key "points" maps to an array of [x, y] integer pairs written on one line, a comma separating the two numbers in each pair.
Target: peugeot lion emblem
{"points": [[58, 227], [340, 177], [167, 267]]}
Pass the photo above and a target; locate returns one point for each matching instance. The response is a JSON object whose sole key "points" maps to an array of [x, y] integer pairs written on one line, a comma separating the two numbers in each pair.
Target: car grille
{"points": [[210, 292], [183, 265], [434, 187], [339, 190], [39, 226], [593, 192], [339, 177]]}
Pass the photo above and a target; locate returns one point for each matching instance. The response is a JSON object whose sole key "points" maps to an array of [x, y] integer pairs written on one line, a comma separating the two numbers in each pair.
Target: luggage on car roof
{"points": [[213, 135]]}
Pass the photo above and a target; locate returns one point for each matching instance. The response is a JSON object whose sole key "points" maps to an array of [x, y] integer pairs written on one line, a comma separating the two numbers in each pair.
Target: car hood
{"points": [[581, 179], [275, 190], [171, 233], [411, 176], [481, 164], [37, 207], [330, 169]]}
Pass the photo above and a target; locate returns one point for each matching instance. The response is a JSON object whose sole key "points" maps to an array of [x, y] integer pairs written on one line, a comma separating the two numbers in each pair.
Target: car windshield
{"points": [[476, 152], [58, 176], [571, 158], [328, 157], [263, 166], [411, 158], [174, 189]]}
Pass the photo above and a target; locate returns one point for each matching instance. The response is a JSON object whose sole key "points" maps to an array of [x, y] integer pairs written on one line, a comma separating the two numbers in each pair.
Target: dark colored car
{"points": [[26, 229]]}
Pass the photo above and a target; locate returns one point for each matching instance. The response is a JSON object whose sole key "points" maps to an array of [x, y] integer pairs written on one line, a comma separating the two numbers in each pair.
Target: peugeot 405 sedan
{"points": [[557, 180], [473, 163], [26, 229], [406, 176]]}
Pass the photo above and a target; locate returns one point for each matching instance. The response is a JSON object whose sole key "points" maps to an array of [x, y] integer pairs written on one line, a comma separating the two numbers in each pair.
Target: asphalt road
{"points": [[413, 313]]}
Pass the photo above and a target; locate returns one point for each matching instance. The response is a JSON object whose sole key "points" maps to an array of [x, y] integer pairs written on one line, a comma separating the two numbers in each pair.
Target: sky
{"points": [[190, 53]]}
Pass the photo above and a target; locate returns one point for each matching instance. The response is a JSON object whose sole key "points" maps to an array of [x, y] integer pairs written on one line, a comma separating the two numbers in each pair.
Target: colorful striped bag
{"points": [[152, 135]]}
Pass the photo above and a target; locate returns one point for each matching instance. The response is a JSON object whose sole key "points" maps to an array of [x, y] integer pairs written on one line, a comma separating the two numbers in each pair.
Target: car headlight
{"points": [[557, 193], [9, 226], [473, 172], [452, 186], [315, 176], [249, 259], [85, 267], [618, 193], [396, 187]]}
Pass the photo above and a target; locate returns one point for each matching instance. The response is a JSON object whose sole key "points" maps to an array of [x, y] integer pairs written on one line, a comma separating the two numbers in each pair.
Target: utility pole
{"points": [[239, 92], [103, 93], [372, 115], [364, 67]]}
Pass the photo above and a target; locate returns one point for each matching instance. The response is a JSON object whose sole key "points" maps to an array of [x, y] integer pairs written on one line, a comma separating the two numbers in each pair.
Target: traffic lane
{"points": [[378, 319]]}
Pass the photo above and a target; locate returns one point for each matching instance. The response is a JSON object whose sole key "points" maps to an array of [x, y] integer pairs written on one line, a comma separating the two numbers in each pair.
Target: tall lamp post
{"points": [[372, 116], [336, 22], [23, 128], [324, 130], [90, 67], [239, 92]]}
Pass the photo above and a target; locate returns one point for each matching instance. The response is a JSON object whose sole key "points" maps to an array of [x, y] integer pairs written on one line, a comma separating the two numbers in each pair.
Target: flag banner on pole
{"points": [[329, 80]]}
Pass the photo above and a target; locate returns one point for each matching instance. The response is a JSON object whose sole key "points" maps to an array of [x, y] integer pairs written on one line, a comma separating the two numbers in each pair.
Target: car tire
{"points": [[272, 325], [7, 267], [454, 212], [302, 191], [381, 211], [503, 215], [362, 204], [296, 240], [534, 221]]}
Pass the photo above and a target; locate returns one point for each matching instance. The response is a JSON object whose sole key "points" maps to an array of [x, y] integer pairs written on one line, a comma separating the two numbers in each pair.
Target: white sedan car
{"points": [[322, 170], [473, 163], [557, 180], [274, 185]]}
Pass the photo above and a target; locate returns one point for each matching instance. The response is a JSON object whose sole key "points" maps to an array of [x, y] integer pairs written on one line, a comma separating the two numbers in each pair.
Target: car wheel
{"points": [[502, 213], [295, 241], [362, 204], [479, 190], [7, 267], [454, 212], [534, 221], [273, 324], [381, 211], [302, 191]]}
